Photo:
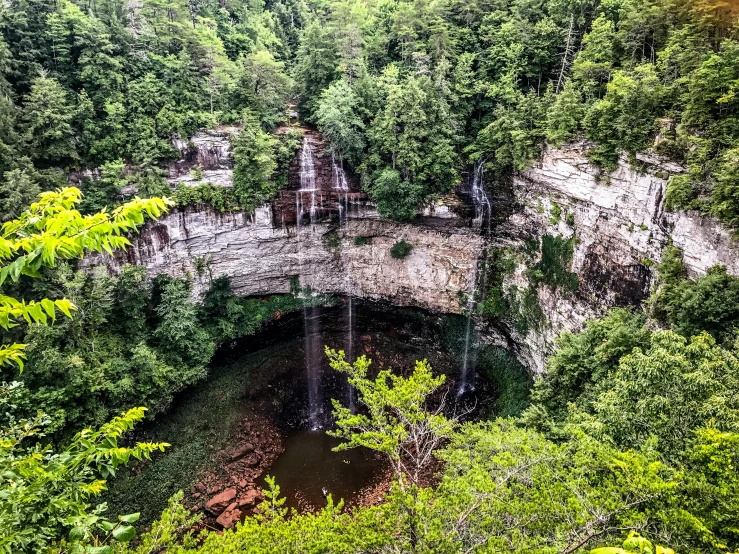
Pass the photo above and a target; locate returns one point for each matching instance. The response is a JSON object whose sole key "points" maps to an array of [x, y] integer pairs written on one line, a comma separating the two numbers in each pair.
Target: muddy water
{"points": [[309, 469]]}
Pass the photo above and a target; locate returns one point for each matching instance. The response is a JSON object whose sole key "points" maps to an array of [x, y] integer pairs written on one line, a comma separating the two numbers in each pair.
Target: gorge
{"points": [[322, 237], [369, 276], [617, 220]]}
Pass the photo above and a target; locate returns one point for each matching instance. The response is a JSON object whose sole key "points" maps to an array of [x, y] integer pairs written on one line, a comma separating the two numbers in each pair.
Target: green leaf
{"points": [[77, 533], [99, 550], [130, 518], [124, 533]]}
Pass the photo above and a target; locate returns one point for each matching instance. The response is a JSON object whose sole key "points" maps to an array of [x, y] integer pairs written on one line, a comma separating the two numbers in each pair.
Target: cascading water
{"points": [[311, 320], [467, 376], [308, 175], [341, 184], [483, 212], [483, 209]]}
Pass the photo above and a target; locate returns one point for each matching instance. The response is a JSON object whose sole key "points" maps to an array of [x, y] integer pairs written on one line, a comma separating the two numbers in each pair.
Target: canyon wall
{"points": [[262, 256], [322, 232], [620, 228]]}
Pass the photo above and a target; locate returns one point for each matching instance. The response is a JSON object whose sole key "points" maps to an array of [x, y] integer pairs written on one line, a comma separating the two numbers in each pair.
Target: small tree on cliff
{"points": [[398, 422]]}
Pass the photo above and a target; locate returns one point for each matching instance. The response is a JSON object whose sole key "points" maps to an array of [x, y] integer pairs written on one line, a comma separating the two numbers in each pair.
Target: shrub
{"points": [[400, 250]]}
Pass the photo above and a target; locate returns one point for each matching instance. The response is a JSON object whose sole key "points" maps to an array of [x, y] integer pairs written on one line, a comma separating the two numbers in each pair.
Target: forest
{"points": [[630, 441]]}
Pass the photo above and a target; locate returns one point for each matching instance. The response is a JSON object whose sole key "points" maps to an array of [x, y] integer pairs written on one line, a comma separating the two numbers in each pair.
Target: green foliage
{"points": [[634, 544], [553, 267], [625, 118], [556, 214], [172, 531], [400, 250], [227, 316], [670, 389], [411, 144], [315, 67], [17, 191], [338, 120], [47, 494], [709, 303], [254, 157], [362, 241], [510, 378], [397, 422], [564, 116], [180, 337], [584, 360], [395, 198], [518, 306]]}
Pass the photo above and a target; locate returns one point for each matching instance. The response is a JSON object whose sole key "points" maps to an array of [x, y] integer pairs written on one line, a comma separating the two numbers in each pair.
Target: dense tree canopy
{"points": [[632, 434]]}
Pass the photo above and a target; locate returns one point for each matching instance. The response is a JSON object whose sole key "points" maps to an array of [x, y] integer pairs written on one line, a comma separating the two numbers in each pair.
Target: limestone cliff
{"points": [[620, 229], [263, 257], [322, 232]]}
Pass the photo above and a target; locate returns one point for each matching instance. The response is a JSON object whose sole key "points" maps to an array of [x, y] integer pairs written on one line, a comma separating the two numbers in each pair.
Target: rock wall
{"points": [[621, 229], [211, 151], [262, 256], [618, 222]]}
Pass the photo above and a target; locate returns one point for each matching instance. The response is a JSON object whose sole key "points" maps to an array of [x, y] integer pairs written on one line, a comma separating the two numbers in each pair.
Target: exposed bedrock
{"points": [[617, 219], [263, 257], [620, 228]]}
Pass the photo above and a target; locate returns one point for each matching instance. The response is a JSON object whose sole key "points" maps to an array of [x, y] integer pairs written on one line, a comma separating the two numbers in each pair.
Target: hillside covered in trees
{"points": [[630, 439]]}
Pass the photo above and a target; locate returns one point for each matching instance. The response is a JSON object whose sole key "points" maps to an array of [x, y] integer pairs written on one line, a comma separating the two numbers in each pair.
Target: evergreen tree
{"points": [[316, 64], [47, 120]]}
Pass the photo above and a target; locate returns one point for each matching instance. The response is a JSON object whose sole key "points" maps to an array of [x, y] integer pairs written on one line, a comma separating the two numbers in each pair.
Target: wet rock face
{"points": [[261, 256]]}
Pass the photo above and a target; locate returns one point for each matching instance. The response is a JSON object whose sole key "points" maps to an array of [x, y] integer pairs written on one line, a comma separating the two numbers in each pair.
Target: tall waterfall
{"points": [[483, 212], [311, 315], [469, 358], [341, 184]]}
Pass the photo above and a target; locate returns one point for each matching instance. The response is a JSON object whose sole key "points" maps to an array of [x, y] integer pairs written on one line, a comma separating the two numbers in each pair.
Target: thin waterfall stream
{"points": [[341, 184], [483, 213]]}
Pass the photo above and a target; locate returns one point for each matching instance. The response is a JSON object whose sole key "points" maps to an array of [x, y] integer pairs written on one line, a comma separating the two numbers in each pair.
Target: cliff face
{"points": [[620, 229], [322, 232], [264, 257]]}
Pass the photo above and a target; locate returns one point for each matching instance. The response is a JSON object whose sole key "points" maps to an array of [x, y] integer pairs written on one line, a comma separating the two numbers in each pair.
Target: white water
{"points": [[311, 321], [479, 198], [467, 376], [483, 212], [341, 184], [308, 176]]}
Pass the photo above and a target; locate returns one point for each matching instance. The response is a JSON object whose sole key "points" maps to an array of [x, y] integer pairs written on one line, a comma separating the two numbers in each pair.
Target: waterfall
{"points": [[479, 198], [467, 376], [308, 175], [483, 210], [341, 184], [313, 342]]}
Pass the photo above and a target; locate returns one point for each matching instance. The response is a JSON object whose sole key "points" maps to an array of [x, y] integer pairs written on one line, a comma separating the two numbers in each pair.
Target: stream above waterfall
{"points": [[257, 398]]}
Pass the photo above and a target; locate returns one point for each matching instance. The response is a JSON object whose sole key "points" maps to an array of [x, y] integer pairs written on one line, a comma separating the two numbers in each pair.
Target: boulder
{"points": [[230, 516], [241, 451], [219, 502], [249, 498]]}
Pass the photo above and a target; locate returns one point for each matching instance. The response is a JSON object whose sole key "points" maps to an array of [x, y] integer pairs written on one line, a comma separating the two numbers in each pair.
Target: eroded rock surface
{"points": [[620, 228], [261, 256]]}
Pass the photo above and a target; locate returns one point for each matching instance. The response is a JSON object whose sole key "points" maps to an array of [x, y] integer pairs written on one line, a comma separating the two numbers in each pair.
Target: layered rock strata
{"points": [[620, 229]]}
